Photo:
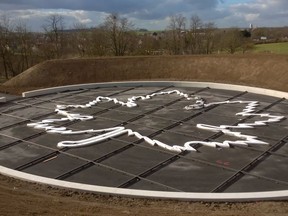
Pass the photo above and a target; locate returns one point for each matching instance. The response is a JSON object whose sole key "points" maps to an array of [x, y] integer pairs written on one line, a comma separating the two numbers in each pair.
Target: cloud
{"points": [[153, 14], [164, 8], [148, 9], [36, 18], [263, 12], [123, 6]]}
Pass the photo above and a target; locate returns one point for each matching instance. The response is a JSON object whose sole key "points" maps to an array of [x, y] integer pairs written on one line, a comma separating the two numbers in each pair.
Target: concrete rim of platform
{"points": [[189, 196], [2, 99], [222, 86]]}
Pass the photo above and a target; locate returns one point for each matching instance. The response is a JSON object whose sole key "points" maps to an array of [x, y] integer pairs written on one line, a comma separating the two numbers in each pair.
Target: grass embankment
{"points": [[267, 71], [276, 48]]}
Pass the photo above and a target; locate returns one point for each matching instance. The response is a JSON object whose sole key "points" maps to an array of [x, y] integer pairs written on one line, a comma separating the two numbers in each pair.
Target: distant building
{"points": [[263, 38]]}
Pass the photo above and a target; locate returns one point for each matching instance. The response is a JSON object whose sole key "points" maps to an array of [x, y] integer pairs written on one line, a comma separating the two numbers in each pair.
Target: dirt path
{"points": [[21, 198]]}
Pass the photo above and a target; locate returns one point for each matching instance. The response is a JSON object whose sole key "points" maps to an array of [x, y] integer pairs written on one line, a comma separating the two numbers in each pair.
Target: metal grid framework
{"points": [[128, 162]]}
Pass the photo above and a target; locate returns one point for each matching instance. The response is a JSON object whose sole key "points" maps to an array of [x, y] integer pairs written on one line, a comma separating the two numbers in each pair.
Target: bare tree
{"points": [[177, 30], [90, 41], [232, 40], [196, 23], [99, 44], [209, 37], [81, 39], [118, 32], [149, 44], [247, 42], [24, 40], [196, 35], [6, 45], [53, 27]]}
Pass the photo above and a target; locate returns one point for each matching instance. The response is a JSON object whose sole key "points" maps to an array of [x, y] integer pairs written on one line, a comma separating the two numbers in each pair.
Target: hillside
{"points": [[268, 71]]}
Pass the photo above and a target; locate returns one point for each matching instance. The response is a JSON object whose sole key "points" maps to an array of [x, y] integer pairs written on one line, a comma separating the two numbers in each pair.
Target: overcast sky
{"points": [[150, 14]]}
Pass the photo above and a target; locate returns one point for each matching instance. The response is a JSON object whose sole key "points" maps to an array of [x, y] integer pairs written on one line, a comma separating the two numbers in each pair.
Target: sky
{"points": [[149, 14]]}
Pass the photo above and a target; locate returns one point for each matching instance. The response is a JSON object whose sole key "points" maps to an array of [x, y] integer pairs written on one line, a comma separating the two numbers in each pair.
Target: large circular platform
{"points": [[231, 145]]}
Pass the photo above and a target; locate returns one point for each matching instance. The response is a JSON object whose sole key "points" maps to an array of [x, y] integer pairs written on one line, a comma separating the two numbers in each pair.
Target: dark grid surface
{"points": [[128, 162]]}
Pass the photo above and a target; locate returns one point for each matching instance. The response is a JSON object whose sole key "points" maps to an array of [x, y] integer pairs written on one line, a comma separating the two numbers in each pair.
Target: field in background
{"points": [[276, 48]]}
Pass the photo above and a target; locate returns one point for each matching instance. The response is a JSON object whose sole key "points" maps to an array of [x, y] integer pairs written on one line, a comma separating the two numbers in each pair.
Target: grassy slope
{"points": [[268, 71]]}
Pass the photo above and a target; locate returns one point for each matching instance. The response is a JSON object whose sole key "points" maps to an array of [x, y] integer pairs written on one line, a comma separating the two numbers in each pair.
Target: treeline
{"points": [[116, 36]]}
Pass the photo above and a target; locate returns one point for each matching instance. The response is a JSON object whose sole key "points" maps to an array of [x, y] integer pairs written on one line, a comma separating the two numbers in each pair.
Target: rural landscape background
{"points": [[21, 48]]}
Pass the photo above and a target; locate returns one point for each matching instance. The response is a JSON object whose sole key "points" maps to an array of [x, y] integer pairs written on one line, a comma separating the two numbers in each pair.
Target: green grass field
{"points": [[277, 48]]}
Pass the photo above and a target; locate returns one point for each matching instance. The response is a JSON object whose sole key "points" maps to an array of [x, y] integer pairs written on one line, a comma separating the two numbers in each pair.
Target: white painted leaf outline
{"points": [[107, 133]]}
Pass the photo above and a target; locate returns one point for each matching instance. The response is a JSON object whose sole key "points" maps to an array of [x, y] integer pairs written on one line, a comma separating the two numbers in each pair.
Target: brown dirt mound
{"points": [[267, 71]]}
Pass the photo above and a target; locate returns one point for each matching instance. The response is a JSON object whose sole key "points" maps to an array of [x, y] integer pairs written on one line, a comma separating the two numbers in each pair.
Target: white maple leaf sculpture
{"points": [[106, 133]]}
